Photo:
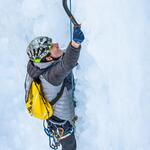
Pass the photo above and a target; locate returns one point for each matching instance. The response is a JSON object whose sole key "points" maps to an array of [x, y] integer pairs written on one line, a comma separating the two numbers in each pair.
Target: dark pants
{"points": [[69, 143]]}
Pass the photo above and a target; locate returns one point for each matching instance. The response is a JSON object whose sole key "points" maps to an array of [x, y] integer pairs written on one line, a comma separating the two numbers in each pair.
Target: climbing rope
{"points": [[57, 131], [70, 7]]}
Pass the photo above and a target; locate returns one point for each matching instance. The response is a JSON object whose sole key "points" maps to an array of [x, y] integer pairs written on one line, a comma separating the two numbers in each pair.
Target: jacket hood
{"points": [[43, 65], [36, 69]]}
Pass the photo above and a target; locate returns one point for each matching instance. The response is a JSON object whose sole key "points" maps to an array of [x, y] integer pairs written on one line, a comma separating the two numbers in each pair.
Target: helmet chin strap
{"points": [[52, 58], [55, 58]]}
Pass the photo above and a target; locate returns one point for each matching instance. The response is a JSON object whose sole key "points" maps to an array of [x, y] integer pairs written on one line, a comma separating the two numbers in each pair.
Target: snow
{"points": [[112, 78]]}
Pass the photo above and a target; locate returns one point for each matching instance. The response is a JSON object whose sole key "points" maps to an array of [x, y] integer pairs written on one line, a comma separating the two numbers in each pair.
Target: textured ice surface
{"points": [[112, 79]]}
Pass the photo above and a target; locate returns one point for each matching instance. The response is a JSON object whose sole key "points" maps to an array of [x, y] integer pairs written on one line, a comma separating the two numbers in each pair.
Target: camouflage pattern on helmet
{"points": [[39, 48]]}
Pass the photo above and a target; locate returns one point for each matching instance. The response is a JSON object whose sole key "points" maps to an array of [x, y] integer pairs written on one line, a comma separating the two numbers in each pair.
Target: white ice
{"points": [[112, 79]]}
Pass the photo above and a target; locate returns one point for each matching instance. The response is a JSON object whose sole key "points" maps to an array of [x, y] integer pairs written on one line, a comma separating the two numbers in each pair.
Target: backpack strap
{"points": [[58, 94]]}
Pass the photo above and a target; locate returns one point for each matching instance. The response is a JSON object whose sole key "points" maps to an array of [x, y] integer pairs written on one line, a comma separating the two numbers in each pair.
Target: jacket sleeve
{"points": [[56, 74]]}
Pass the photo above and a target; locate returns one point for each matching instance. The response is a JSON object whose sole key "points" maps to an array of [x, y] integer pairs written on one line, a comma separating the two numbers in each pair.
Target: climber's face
{"points": [[56, 52]]}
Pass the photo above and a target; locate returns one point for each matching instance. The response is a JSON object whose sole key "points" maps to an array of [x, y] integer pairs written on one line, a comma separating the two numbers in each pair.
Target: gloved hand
{"points": [[78, 35]]}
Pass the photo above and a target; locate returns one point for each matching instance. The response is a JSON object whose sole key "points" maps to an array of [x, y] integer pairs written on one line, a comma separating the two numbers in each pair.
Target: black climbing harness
{"points": [[57, 131]]}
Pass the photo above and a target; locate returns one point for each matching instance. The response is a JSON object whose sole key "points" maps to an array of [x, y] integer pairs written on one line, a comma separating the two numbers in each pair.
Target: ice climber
{"points": [[52, 67]]}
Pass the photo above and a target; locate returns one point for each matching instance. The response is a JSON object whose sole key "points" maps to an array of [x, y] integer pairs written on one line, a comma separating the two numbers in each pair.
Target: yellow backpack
{"points": [[36, 103]]}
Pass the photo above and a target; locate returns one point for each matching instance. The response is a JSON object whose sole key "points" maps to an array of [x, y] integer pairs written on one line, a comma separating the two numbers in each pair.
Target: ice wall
{"points": [[113, 75]]}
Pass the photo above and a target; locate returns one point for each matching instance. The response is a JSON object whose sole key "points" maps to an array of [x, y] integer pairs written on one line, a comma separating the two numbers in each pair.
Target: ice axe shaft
{"points": [[73, 20]]}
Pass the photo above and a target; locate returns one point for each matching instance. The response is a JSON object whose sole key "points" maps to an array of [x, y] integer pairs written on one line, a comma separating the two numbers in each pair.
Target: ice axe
{"points": [[73, 20]]}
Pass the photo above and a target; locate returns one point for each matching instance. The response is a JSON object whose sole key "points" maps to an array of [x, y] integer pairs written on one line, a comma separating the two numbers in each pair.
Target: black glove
{"points": [[78, 35]]}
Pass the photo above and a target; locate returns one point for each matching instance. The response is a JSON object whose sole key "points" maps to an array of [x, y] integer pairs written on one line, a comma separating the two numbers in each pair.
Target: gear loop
{"points": [[57, 131]]}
